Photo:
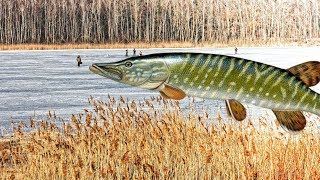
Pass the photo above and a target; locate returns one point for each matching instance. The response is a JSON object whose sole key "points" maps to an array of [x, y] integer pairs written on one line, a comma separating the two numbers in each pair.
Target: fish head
{"points": [[140, 71]]}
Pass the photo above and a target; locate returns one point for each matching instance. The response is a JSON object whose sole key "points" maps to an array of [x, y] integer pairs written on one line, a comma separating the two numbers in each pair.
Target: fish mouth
{"points": [[107, 71]]}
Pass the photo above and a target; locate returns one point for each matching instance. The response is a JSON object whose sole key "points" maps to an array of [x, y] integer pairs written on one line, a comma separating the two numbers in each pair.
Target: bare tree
{"points": [[105, 21]]}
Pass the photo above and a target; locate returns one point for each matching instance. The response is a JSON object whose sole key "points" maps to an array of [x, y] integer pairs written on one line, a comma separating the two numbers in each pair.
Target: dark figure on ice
{"points": [[134, 51], [236, 50], [140, 54], [79, 61], [127, 52]]}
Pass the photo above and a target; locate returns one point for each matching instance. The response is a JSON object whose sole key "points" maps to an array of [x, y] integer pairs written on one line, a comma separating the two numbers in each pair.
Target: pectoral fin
{"points": [[170, 92], [308, 72], [291, 120], [236, 110]]}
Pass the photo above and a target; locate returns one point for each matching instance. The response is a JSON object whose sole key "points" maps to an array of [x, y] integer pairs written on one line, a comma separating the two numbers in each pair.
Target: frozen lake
{"points": [[39, 81]]}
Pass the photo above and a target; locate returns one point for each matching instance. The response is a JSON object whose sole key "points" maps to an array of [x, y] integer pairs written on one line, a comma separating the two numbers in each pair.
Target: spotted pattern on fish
{"points": [[222, 77]]}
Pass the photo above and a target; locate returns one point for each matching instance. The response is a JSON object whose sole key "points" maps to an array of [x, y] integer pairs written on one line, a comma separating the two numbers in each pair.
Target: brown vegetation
{"points": [[135, 140], [124, 21], [140, 45], [105, 46]]}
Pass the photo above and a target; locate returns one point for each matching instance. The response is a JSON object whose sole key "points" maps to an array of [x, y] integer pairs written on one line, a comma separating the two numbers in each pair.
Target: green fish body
{"points": [[224, 77]]}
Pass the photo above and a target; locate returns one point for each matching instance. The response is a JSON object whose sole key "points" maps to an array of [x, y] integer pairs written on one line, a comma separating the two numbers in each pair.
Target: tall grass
{"points": [[172, 44], [122, 139]]}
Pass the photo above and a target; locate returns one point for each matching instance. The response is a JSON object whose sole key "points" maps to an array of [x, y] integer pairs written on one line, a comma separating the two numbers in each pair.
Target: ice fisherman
{"points": [[79, 60], [134, 51]]}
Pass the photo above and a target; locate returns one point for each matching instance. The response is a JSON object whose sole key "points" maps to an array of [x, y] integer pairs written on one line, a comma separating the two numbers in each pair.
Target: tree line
{"points": [[110, 21]]}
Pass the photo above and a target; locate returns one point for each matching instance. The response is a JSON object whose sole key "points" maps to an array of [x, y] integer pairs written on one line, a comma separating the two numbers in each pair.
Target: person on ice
{"points": [[134, 51], [79, 60]]}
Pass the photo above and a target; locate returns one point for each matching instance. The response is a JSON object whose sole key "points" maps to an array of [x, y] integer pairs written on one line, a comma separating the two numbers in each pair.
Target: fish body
{"points": [[214, 76], [225, 77]]}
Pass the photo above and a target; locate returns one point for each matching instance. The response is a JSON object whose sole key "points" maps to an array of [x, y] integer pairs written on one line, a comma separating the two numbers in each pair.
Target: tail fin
{"points": [[308, 72]]}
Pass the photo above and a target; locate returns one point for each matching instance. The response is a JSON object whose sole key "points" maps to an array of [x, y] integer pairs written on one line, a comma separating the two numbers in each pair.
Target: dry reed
{"points": [[172, 44], [154, 139]]}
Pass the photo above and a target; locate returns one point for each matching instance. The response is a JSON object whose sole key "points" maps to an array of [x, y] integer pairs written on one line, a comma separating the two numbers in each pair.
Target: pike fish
{"points": [[235, 80]]}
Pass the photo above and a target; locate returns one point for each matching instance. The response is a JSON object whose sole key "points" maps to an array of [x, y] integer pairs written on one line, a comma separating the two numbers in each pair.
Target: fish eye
{"points": [[128, 64]]}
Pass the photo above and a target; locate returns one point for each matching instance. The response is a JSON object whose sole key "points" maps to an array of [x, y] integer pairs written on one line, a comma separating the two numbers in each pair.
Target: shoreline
{"points": [[144, 45]]}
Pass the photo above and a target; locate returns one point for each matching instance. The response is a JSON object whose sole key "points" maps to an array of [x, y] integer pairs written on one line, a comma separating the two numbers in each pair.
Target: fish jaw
{"points": [[107, 70]]}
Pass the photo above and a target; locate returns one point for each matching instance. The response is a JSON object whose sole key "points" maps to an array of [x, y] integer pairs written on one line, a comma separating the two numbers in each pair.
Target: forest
{"points": [[125, 21]]}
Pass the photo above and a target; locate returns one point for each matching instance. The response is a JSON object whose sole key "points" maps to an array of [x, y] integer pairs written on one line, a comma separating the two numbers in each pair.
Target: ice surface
{"points": [[39, 81]]}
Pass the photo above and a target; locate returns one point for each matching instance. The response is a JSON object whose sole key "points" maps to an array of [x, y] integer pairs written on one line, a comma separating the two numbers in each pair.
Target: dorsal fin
{"points": [[236, 110], [308, 72], [291, 120], [170, 92]]}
